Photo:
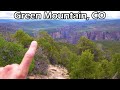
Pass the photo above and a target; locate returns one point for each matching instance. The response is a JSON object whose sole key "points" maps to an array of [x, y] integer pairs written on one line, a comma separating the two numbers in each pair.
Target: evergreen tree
{"points": [[11, 52], [49, 46], [23, 38], [116, 63], [85, 44], [85, 67], [107, 67]]}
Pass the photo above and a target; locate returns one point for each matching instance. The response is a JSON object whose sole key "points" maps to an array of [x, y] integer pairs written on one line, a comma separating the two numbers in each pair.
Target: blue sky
{"points": [[10, 14]]}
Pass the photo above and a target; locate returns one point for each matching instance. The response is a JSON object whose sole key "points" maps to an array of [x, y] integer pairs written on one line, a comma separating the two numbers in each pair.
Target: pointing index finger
{"points": [[28, 57]]}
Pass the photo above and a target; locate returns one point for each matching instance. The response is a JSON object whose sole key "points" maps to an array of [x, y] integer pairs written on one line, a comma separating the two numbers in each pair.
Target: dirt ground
{"points": [[54, 72]]}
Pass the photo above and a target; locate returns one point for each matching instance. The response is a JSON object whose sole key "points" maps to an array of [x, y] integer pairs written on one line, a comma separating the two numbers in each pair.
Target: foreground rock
{"points": [[53, 72]]}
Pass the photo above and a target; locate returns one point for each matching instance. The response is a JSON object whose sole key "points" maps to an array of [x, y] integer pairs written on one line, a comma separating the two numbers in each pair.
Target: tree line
{"points": [[84, 60]]}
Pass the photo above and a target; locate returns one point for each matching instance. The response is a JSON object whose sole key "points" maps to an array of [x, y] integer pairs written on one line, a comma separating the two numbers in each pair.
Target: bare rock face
{"points": [[73, 37], [53, 72]]}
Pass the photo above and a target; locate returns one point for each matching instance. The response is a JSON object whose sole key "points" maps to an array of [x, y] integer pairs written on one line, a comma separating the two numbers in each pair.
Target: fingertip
{"points": [[34, 42]]}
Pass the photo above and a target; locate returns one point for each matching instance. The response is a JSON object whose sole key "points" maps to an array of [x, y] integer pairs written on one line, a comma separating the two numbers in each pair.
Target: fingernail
{"points": [[34, 42]]}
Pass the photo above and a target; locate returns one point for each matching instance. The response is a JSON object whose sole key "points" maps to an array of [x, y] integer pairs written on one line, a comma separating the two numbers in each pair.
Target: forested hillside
{"points": [[84, 60]]}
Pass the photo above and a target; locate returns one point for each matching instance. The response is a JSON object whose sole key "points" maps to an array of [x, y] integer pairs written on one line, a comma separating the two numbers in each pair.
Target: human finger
{"points": [[28, 57]]}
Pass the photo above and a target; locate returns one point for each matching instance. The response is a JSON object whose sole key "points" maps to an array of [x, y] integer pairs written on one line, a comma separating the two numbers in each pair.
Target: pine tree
{"points": [[85, 67], [11, 52], [49, 46], [116, 63], [85, 44], [107, 67], [23, 38]]}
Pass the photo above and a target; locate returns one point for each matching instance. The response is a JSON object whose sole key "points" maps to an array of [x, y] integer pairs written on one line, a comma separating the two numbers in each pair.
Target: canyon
{"points": [[66, 31], [73, 37]]}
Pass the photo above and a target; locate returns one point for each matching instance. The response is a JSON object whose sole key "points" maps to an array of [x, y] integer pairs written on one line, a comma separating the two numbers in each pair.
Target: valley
{"points": [[66, 50], [66, 31]]}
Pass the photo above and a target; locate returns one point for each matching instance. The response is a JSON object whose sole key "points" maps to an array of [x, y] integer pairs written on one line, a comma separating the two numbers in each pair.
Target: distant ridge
{"points": [[108, 29]]}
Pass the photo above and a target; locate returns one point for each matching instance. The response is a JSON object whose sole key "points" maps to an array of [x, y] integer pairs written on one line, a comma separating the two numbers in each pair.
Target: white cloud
{"points": [[6, 14], [113, 14]]}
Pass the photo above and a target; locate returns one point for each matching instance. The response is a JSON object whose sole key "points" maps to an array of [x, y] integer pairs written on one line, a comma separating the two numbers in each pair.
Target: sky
{"points": [[109, 14]]}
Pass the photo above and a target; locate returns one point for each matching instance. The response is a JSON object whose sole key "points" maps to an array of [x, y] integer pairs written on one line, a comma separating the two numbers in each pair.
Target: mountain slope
{"points": [[69, 31]]}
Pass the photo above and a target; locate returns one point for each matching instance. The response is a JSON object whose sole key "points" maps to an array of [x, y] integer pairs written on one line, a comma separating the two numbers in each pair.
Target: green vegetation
{"points": [[84, 67], [12, 52], [23, 38], [84, 60], [113, 46]]}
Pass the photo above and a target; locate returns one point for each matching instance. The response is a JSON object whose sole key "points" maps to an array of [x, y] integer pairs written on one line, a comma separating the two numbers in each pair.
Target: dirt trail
{"points": [[54, 72]]}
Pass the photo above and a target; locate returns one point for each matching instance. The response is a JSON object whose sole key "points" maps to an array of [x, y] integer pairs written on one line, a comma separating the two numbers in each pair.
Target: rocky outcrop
{"points": [[73, 37], [53, 72], [68, 31], [96, 30]]}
